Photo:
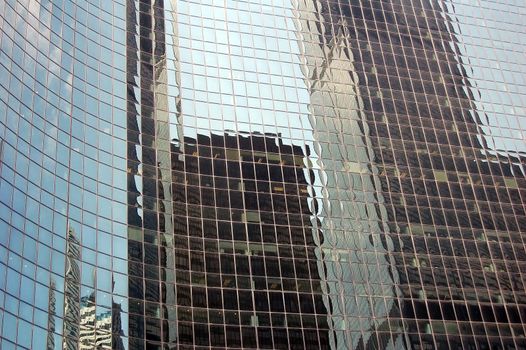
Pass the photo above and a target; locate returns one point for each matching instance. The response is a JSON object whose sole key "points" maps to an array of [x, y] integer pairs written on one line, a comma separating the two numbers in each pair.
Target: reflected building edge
{"points": [[150, 230]]}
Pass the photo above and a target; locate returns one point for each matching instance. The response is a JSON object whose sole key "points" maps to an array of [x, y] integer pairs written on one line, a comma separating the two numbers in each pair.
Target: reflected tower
{"points": [[150, 221], [437, 187], [245, 256], [361, 283]]}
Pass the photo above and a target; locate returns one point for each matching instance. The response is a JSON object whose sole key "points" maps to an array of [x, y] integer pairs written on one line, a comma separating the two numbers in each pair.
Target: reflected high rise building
{"points": [[303, 174], [351, 206], [407, 88], [84, 327], [246, 244]]}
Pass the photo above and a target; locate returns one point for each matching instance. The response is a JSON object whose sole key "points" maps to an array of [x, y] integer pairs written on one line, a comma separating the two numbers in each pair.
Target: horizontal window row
{"points": [[401, 214], [276, 280], [478, 317], [417, 102], [289, 277], [464, 8], [407, 27], [287, 243], [420, 164], [401, 185], [431, 188], [400, 141], [281, 277], [219, 336], [404, 245], [414, 290], [226, 281]]}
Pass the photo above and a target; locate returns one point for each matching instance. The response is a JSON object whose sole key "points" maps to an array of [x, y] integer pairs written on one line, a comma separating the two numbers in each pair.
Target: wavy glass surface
{"points": [[63, 269], [295, 174]]}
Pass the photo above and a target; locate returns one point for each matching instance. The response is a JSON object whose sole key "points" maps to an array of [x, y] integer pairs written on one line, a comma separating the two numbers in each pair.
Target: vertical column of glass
{"points": [[239, 75], [150, 230], [487, 44], [360, 282], [62, 175]]}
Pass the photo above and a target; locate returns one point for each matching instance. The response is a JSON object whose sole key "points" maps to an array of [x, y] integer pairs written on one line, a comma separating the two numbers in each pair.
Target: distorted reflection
{"points": [[62, 131], [360, 280], [498, 109], [87, 323]]}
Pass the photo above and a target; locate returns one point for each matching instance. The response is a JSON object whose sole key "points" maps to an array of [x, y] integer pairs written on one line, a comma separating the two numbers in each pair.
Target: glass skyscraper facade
{"points": [[292, 174]]}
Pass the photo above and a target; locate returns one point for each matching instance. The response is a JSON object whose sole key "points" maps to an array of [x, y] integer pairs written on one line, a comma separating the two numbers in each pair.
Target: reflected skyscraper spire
{"points": [[85, 326], [72, 292], [50, 340]]}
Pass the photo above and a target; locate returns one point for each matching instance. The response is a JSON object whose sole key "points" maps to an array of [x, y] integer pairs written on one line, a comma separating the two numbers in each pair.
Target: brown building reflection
{"points": [[450, 204], [245, 255], [400, 231]]}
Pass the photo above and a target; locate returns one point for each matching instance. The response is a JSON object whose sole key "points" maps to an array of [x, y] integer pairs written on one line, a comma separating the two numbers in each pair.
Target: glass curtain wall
{"points": [[63, 224]]}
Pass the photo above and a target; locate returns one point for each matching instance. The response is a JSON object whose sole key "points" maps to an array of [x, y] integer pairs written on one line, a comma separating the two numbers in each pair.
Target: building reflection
{"points": [[404, 234], [99, 330], [84, 326], [246, 257], [360, 279], [395, 118], [149, 179], [72, 292], [52, 304]]}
